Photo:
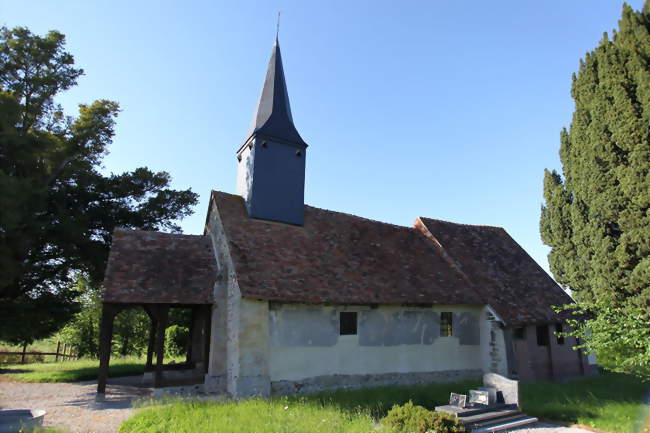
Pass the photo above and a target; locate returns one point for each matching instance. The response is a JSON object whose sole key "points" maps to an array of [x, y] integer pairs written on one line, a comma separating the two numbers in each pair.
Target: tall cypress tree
{"points": [[596, 216]]}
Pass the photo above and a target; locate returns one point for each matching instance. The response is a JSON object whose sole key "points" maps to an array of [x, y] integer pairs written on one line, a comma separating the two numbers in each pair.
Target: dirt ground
{"points": [[76, 407]]}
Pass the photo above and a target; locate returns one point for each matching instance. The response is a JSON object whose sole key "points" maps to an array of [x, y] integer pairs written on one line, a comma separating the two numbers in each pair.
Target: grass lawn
{"points": [[70, 371], [255, 415], [610, 402]]}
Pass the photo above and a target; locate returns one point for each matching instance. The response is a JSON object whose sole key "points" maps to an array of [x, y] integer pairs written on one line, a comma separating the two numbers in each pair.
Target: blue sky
{"points": [[446, 109]]}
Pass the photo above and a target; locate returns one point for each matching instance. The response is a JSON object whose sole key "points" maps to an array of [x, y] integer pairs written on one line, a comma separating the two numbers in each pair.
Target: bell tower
{"points": [[271, 172]]}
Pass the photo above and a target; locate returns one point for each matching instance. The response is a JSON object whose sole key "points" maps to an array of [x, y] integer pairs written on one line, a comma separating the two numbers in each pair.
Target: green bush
{"points": [[439, 422], [176, 339], [410, 418]]}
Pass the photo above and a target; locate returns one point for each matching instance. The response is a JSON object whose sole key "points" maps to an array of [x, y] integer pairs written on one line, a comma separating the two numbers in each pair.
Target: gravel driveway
{"points": [[76, 407]]}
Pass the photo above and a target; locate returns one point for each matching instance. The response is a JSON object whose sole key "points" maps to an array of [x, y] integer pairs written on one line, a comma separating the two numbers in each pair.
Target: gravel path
{"points": [[76, 407], [540, 427]]}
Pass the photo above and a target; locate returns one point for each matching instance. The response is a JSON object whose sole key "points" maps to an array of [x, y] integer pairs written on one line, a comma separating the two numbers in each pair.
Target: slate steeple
{"points": [[272, 117], [271, 172]]}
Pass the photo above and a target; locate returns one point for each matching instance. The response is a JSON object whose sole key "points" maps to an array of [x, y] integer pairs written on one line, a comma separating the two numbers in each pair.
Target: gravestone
{"points": [[507, 389], [458, 400], [478, 397], [492, 393]]}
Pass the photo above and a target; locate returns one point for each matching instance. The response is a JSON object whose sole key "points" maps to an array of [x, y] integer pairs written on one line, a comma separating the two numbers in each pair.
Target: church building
{"points": [[289, 298]]}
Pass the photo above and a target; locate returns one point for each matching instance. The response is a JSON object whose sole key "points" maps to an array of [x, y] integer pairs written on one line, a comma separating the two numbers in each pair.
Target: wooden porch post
{"points": [[207, 327], [163, 316], [189, 356], [152, 342], [105, 336]]}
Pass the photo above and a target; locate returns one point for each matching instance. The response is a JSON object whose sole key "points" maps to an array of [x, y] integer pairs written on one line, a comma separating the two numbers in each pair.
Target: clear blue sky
{"points": [[447, 109]]}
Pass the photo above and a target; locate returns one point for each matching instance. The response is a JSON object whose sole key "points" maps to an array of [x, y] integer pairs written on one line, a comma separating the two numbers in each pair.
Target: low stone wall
{"points": [[339, 381], [508, 388]]}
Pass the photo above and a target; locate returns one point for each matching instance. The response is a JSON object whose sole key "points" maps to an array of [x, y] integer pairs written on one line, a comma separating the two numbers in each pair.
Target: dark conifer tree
{"points": [[596, 216]]}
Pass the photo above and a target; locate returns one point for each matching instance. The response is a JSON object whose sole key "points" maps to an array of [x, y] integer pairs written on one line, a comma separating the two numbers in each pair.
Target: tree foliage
{"points": [[130, 329], [58, 209], [176, 340], [596, 216]]}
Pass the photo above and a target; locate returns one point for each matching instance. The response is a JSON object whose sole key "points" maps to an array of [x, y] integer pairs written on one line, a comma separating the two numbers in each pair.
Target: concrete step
{"points": [[487, 416], [494, 421], [465, 412], [505, 425]]}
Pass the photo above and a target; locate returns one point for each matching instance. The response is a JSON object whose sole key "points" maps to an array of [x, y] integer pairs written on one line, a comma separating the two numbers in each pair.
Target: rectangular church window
{"points": [[446, 324], [519, 333], [558, 331], [542, 335], [348, 323]]}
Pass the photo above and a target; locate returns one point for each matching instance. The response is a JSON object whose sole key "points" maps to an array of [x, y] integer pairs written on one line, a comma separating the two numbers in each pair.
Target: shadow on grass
{"points": [[14, 370], [612, 402], [69, 372], [609, 401], [378, 401]]}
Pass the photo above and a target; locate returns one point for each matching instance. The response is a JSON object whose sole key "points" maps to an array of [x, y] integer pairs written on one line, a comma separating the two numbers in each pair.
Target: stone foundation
{"points": [[215, 384], [175, 376], [178, 391], [331, 382]]}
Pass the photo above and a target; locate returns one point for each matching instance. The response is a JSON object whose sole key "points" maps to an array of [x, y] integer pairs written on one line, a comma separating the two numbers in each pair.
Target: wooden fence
{"points": [[58, 354]]}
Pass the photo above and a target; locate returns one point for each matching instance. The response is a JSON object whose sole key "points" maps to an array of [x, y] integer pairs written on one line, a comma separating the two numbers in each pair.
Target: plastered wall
{"points": [[305, 342], [238, 362], [217, 365]]}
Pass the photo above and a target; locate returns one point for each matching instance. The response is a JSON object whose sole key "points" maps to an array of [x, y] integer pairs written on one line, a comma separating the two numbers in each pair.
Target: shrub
{"points": [[176, 339], [410, 418], [439, 422]]}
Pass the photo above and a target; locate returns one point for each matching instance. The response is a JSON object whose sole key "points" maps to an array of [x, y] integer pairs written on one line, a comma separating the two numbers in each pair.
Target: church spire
{"points": [[271, 172], [272, 117]]}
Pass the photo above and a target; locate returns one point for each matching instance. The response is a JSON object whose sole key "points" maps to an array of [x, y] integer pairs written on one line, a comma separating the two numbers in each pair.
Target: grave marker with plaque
{"points": [[458, 400], [478, 397]]}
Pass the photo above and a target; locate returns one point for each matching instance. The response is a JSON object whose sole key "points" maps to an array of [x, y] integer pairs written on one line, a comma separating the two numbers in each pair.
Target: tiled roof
{"points": [[154, 267], [337, 258], [508, 279]]}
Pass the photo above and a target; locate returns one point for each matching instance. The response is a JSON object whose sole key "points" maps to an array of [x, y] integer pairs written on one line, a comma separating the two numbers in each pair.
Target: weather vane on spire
{"points": [[277, 29]]}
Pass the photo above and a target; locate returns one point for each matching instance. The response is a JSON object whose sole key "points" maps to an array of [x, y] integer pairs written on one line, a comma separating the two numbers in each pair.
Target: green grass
{"points": [[70, 371], [611, 402], [47, 345], [336, 411], [254, 415]]}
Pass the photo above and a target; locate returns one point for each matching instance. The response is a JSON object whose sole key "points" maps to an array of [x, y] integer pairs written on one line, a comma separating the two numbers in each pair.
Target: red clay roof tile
{"points": [[508, 279], [337, 258], [154, 267]]}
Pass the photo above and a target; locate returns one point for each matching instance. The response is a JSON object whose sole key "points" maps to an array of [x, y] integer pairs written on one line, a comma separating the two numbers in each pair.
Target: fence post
{"points": [[65, 349], [22, 358], [58, 346]]}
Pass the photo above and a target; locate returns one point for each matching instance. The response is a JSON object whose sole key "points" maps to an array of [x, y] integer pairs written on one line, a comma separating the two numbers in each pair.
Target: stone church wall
{"points": [[393, 345]]}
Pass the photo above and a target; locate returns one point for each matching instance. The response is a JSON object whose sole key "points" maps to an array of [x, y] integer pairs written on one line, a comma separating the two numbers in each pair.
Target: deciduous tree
{"points": [[57, 209]]}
